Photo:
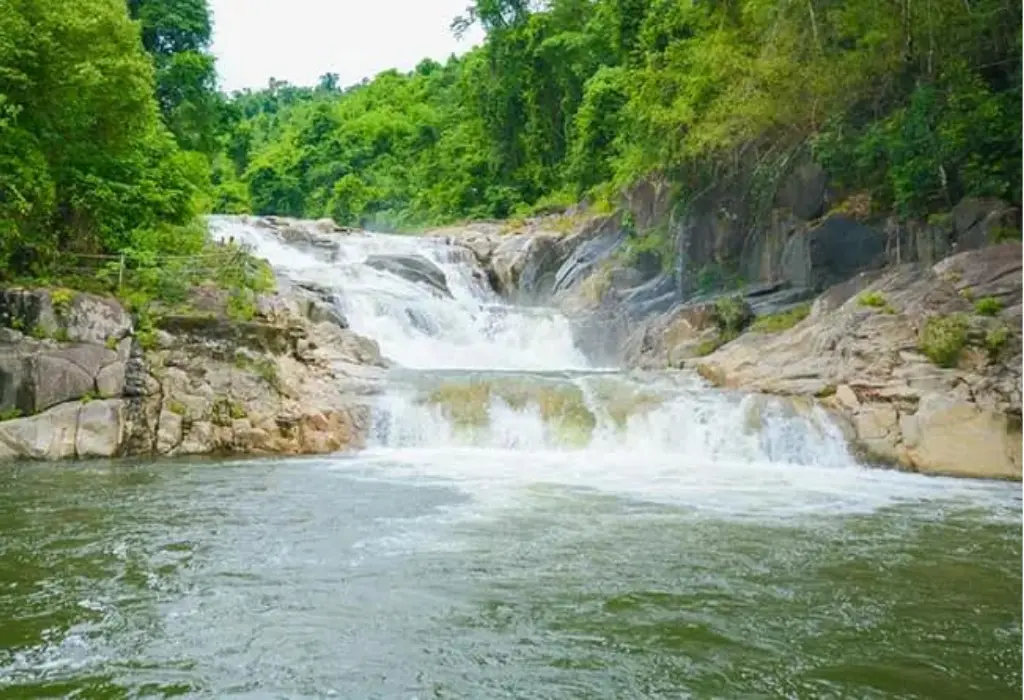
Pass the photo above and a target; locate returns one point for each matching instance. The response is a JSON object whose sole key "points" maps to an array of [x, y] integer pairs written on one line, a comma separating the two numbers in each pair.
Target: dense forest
{"points": [[114, 137]]}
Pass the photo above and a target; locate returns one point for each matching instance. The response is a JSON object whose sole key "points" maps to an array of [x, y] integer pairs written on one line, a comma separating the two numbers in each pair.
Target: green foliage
{"points": [[89, 397], [876, 300], [176, 407], [733, 315], [61, 335], [1003, 234], [995, 341], [873, 299], [943, 338], [61, 300], [776, 323], [988, 306], [578, 98], [708, 345], [225, 410], [85, 162], [10, 414]]}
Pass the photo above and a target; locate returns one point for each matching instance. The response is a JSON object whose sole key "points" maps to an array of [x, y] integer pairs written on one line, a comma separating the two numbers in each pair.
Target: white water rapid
{"points": [[497, 398]]}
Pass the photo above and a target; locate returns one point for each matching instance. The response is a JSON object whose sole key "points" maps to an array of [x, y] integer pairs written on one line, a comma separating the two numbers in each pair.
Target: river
{"points": [[522, 525]]}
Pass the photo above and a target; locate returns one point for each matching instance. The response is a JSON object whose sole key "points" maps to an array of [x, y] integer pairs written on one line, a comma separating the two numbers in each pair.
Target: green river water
{"points": [[349, 578]]}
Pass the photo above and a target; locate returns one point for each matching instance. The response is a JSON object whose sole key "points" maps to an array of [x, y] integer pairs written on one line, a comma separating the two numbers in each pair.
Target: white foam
{"points": [[698, 448]]}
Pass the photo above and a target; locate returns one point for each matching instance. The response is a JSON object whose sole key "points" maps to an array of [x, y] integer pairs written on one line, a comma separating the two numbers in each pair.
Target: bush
{"points": [[733, 314], [776, 323], [995, 341], [943, 339], [876, 300], [988, 306]]}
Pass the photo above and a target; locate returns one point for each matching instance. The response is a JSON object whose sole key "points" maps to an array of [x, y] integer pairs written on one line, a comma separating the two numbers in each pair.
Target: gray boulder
{"points": [[415, 269]]}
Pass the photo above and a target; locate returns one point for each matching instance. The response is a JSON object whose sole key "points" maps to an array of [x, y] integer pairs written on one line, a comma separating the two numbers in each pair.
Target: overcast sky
{"points": [[299, 40]]}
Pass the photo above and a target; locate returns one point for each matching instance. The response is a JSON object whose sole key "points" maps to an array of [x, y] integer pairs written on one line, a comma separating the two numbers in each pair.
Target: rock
{"points": [[525, 266], [832, 251], [803, 191], [100, 429], [867, 362], [79, 317], [169, 430], [95, 320], [994, 271], [846, 396], [110, 381], [56, 380], [47, 436], [415, 269], [946, 436], [200, 439], [978, 222]]}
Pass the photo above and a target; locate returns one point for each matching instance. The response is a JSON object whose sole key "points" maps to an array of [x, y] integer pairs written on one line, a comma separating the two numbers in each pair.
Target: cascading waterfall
{"points": [[475, 372]]}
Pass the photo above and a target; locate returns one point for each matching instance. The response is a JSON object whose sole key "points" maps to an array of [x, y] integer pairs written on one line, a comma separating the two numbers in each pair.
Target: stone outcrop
{"points": [[415, 269], [292, 380], [863, 351]]}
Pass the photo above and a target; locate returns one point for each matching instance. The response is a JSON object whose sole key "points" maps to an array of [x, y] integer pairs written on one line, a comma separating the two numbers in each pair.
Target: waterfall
{"points": [[474, 372]]}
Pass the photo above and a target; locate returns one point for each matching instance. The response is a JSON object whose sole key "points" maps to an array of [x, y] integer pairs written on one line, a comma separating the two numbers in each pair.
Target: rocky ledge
{"points": [[908, 333], [920, 365], [78, 379]]}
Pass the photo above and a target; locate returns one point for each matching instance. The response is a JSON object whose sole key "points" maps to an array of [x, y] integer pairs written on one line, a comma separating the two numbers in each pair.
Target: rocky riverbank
{"points": [[79, 379], [908, 332]]}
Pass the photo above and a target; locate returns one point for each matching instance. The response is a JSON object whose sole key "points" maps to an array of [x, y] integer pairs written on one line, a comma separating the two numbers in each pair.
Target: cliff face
{"points": [[76, 380]]}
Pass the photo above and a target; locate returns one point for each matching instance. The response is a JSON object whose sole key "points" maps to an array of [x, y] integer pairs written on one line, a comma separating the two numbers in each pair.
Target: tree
{"points": [[177, 34], [86, 163]]}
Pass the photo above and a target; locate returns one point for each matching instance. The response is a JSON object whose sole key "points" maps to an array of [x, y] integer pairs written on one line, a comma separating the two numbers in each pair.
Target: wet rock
{"points": [[415, 269]]}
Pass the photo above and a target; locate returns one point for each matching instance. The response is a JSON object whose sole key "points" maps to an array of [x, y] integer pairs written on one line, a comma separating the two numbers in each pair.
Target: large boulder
{"points": [[525, 266], [64, 314], [978, 222], [415, 269], [51, 435], [862, 351], [37, 375]]}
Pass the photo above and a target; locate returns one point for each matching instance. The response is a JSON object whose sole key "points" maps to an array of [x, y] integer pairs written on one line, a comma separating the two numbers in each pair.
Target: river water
{"points": [[522, 525]]}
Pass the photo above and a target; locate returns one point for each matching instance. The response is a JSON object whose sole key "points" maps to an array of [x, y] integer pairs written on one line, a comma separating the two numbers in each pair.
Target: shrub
{"points": [[943, 339], [733, 314], [776, 323], [876, 300], [988, 306], [995, 340], [61, 300]]}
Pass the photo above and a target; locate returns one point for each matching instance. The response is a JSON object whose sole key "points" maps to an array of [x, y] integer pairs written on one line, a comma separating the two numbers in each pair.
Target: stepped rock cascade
{"points": [[484, 391]]}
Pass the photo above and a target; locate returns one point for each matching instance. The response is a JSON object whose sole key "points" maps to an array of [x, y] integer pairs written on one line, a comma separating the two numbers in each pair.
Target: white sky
{"points": [[299, 40]]}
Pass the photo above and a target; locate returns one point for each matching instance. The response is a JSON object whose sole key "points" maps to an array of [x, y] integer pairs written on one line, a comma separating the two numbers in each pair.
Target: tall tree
{"points": [[177, 34]]}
